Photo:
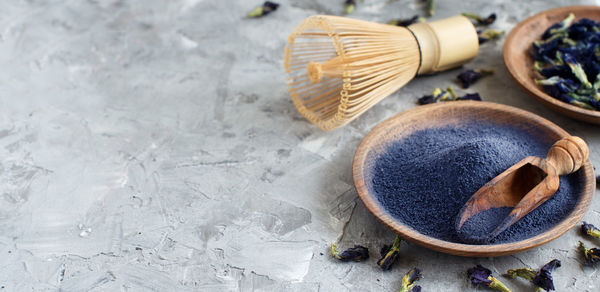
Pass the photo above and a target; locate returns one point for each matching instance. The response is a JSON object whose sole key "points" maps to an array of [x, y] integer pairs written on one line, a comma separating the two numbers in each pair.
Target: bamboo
{"points": [[339, 67]]}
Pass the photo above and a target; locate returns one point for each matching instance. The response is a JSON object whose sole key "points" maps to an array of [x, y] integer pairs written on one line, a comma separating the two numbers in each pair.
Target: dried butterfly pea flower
{"points": [[357, 253], [489, 34], [481, 20], [543, 278], [263, 10], [349, 5], [590, 229], [470, 96], [577, 70], [439, 95], [590, 255], [409, 281], [480, 276], [389, 254], [559, 27], [406, 21], [468, 77]]}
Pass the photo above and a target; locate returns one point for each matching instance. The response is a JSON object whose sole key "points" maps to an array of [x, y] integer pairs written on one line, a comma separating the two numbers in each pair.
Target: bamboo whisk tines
{"points": [[339, 67]]}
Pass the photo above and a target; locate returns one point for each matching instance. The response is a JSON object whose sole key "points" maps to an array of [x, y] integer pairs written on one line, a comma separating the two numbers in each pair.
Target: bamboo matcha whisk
{"points": [[339, 67]]}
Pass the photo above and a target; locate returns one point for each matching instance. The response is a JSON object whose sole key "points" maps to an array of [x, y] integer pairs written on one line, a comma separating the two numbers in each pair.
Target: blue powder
{"points": [[477, 228], [425, 179]]}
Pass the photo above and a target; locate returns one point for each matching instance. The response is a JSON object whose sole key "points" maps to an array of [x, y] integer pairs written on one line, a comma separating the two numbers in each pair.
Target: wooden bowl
{"points": [[457, 113], [520, 64]]}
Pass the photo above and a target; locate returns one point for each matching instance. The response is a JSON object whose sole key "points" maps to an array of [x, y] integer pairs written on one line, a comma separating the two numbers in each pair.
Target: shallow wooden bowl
{"points": [[520, 64], [457, 113]]}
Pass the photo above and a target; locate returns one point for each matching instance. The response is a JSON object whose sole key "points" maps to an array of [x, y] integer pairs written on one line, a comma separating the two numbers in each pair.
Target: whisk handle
{"points": [[445, 43]]}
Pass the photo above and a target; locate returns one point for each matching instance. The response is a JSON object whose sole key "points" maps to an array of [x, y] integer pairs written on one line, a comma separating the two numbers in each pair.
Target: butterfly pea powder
{"points": [[424, 179]]}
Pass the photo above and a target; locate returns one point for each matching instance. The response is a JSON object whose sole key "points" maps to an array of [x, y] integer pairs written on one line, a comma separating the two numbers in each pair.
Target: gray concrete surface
{"points": [[151, 145]]}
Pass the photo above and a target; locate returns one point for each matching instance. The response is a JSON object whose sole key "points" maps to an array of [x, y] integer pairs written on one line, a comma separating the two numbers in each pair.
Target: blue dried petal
{"points": [[263, 10], [468, 77], [389, 254], [409, 280], [426, 99], [357, 253], [543, 279], [590, 230], [416, 289], [479, 275], [481, 20], [470, 96], [591, 256]]}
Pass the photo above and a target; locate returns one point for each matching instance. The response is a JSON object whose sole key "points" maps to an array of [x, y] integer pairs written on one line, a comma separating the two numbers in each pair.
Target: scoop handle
{"points": [[568, 154]]}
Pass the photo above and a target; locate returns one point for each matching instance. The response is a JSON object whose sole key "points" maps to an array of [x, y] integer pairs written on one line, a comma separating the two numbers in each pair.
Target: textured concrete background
{"points": [[151, 145]]}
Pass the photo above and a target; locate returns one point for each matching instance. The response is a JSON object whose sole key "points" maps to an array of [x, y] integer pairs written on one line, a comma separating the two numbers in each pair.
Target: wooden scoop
{"points": [[522, 188]]}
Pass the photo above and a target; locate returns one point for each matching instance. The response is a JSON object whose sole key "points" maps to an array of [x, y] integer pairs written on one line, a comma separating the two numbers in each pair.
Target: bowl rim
{"points": [[535, 91], [461, 249]]}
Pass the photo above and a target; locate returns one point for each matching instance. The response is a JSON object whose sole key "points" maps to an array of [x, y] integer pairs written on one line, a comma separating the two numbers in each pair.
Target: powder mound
{"points": [[424, 179]]}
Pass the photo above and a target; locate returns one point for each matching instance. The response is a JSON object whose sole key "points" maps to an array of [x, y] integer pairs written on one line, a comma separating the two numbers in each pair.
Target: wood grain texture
{"points": [[520, 64], [457, 113]]}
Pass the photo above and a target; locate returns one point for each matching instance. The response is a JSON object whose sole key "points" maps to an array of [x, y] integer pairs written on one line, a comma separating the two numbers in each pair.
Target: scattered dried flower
{"points": [[263, 10], [470, 76], [590, 230], [439, 95], [409, 281], [591, 255], [389, 254], [481, 20], [543, 278], [357, 253], [481, 276]]}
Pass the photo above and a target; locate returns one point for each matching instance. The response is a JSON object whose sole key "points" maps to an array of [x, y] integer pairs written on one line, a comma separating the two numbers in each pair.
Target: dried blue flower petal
{"points": [[481, 20], [409, 281], [470, 76], [470, 96], [389, 254], [543, 279], [480, 276], [406, 21], [590, 229], [591, 256], [357, 253], [263, 10], [349, 5], [439, 95]]}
